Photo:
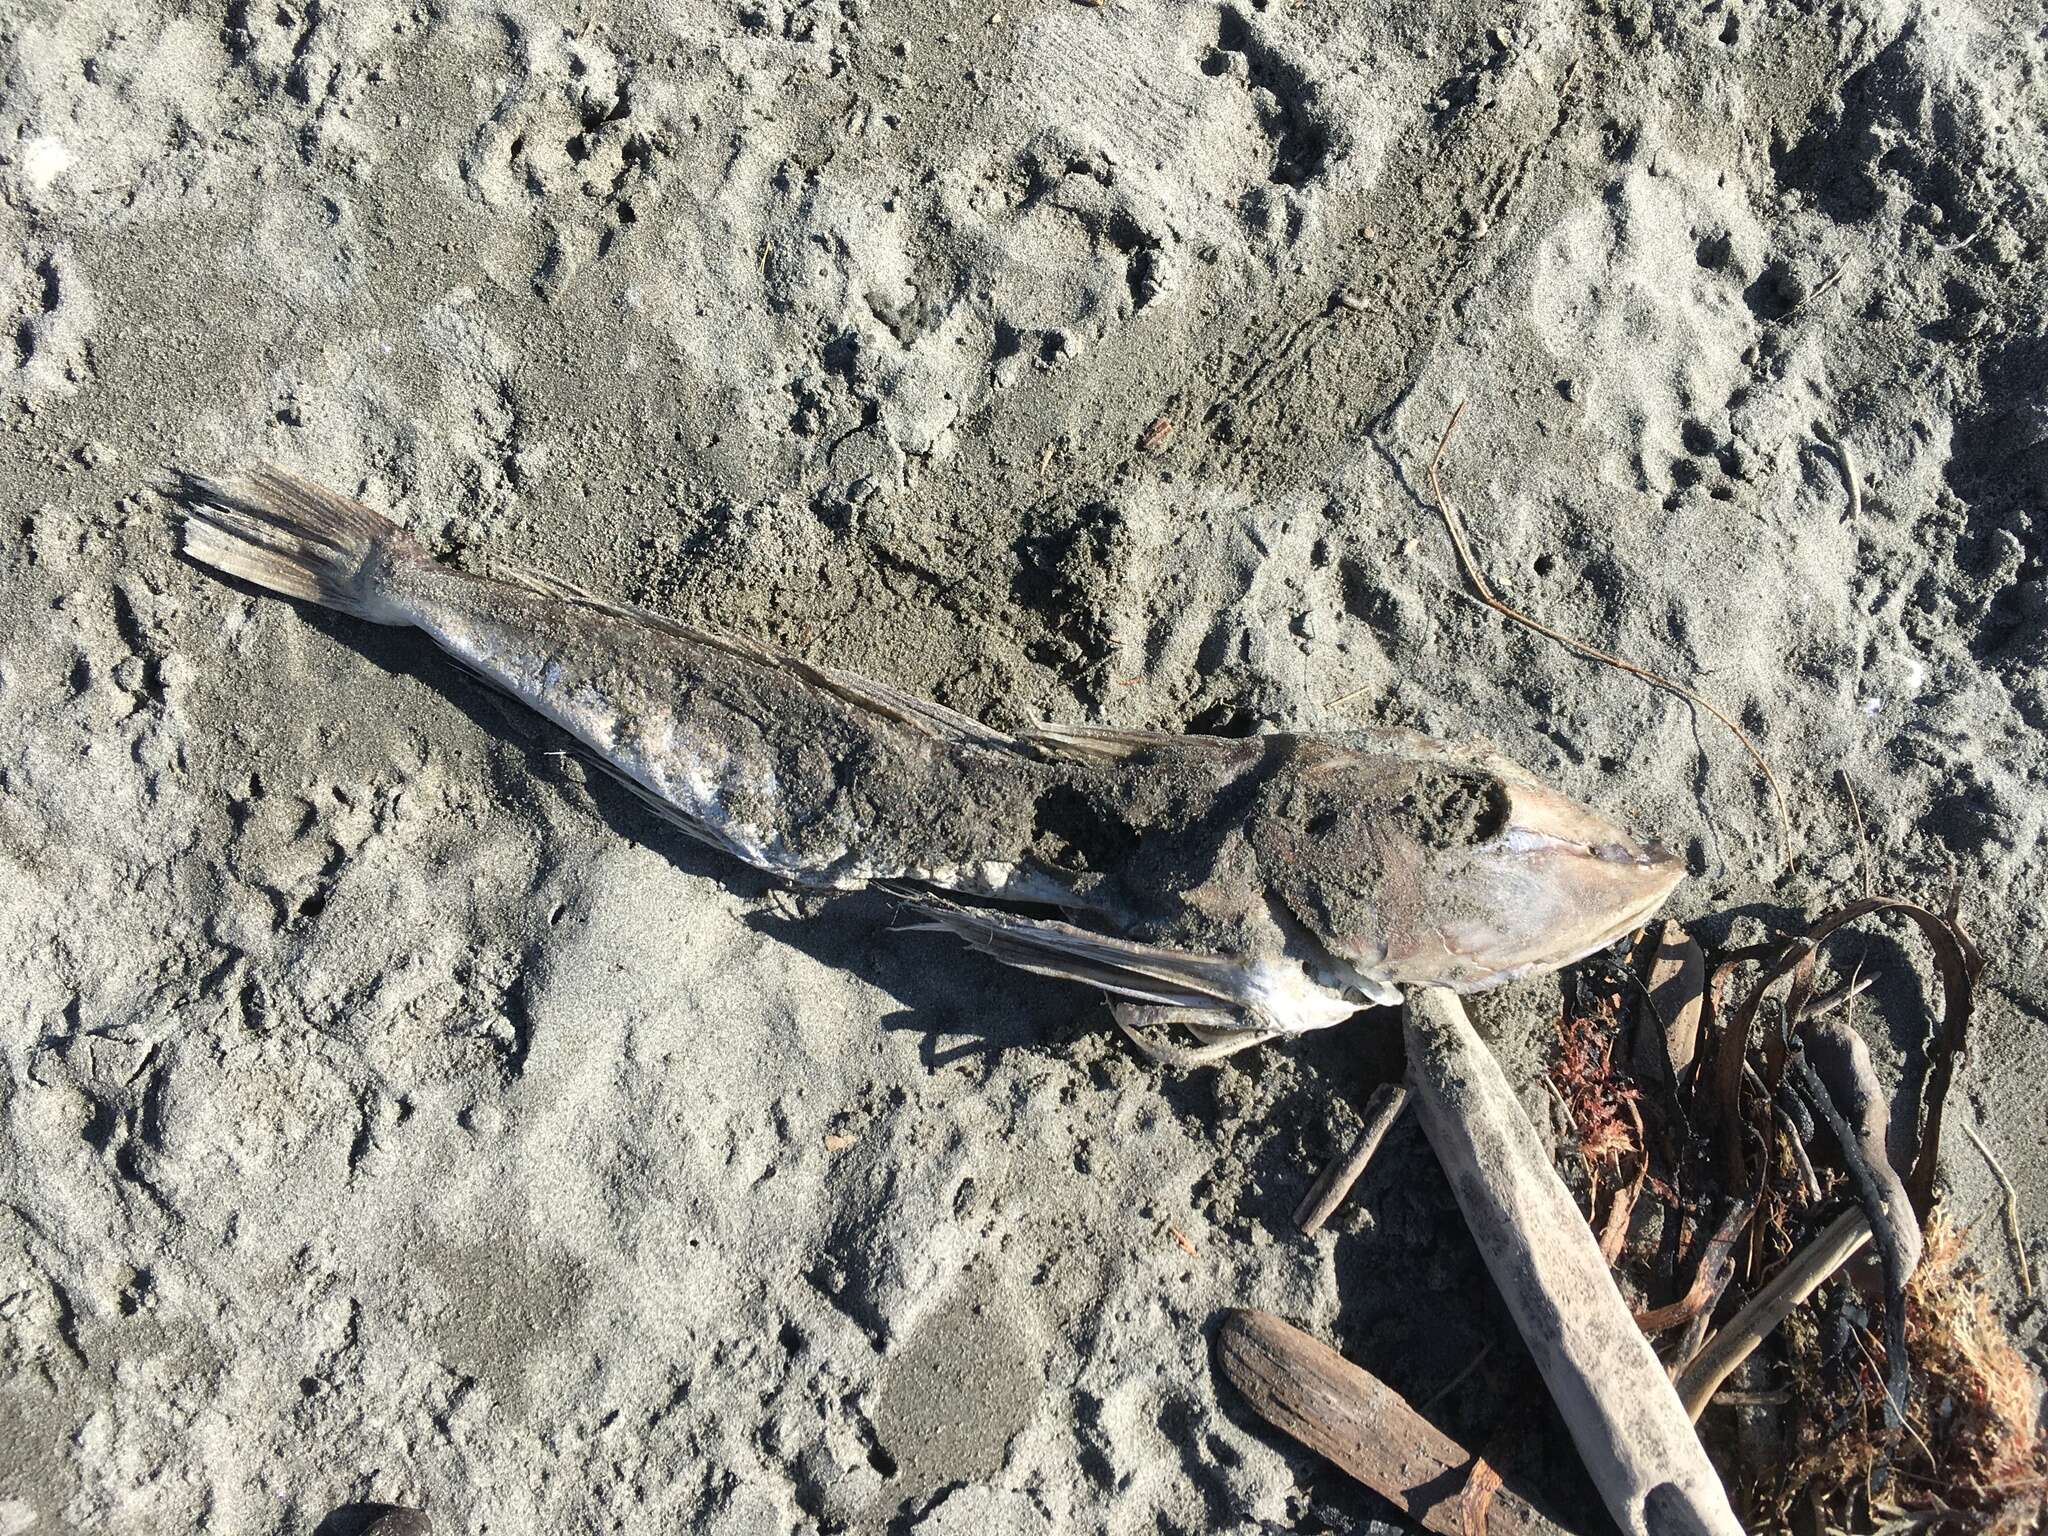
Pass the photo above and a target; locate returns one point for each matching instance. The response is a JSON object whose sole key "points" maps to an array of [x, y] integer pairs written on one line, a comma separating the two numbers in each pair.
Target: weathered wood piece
{"points": [[1334, 1183], [1841, 1062], [1344, 1413], [1674, 973], [1634, 1436]]}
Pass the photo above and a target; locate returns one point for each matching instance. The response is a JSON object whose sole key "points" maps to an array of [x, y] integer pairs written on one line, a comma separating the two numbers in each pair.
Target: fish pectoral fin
{"points": [[1217, 988], [1047, 947]]}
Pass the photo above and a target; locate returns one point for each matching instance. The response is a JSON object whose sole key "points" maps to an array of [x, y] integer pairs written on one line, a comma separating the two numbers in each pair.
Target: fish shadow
{"points": [[354, 1519], [960, 1003]]}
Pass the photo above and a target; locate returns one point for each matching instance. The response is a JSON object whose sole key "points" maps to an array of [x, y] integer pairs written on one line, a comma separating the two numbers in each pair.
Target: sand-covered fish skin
{"points": [[1283, 880]]}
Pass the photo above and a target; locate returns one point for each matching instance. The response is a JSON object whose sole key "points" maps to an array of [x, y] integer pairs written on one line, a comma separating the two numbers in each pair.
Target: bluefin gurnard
{"points": [[1246, 887]]}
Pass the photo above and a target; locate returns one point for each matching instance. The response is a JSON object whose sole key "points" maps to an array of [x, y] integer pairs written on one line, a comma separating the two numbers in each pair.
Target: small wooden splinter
{"points": [[1333, 1185], [1762, 1313], [1349, 1416], [1632, 1432]]}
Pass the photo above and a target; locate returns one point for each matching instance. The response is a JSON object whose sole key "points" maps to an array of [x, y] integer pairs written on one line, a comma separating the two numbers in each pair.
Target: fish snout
{"points": [[1614, 886]]}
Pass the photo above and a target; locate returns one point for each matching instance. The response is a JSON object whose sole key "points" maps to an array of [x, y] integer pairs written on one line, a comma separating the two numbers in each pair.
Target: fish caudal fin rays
{"points": [[290, 536], [1266, 999]]}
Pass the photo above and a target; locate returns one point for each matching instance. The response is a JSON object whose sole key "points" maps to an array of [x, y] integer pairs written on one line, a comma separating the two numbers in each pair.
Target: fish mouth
{"points": [[1655, 869]]}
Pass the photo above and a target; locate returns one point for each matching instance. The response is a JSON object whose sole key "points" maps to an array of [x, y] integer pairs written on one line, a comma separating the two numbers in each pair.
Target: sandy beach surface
{"points": [[392, 1111]]}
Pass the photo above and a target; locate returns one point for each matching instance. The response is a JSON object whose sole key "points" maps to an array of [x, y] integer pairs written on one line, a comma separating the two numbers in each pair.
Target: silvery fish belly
{"points": [[1273, 884]]}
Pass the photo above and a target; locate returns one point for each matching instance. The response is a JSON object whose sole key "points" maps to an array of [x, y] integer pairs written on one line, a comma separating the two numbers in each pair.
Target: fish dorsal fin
{"points": [[1090, 743], [932, 719], [1103, 744], [946, 724]]}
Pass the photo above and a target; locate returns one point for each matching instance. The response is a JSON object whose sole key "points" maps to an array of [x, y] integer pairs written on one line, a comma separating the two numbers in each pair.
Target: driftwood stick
{"points": [[1349, 1416], [1633, 1435], [1333, 1185], [1799, 1279]]}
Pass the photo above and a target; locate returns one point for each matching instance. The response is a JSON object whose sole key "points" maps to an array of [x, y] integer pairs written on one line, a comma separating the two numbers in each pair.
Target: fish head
{"points": [[1418, 863], [1557, 882]]}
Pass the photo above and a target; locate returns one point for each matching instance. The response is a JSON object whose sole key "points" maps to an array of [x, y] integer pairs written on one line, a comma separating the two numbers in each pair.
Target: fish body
{"points": [[1270, 884]]}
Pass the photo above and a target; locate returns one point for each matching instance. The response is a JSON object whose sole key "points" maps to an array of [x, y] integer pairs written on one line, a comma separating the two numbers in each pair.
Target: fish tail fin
{"points": [[293, 537]]}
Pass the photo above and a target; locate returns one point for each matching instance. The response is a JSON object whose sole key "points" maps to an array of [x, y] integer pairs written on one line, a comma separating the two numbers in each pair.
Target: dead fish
{"points": [[1244, 887]]}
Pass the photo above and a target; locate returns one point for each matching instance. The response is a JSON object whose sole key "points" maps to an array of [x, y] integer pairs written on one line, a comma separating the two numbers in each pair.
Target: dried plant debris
{"points": [[1972, 1457], [1982, 1418], [1959, 964], [1672, 967], [1871, 1386], [1600, 1094]]}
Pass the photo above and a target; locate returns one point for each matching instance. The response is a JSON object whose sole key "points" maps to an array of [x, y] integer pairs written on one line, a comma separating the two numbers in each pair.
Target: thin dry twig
{"points": [[2012, 1214], [1334, 1184], [1845, 460], [1835, 997], [1862, 837], [1813, 293], [1486, 595], [1457, 1381], [1862, 1338], [1796, 1144]]}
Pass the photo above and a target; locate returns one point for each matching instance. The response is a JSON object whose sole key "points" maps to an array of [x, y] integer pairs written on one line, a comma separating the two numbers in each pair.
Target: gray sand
{"points": [[392, 1112]]}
